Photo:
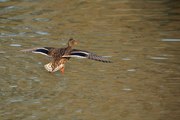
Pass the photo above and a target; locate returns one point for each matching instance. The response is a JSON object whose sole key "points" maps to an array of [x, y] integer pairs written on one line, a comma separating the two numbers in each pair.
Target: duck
{"points": [[61, 55]]}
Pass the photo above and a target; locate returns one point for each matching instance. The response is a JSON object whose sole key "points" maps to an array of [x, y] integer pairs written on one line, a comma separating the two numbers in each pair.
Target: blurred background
{"points": [[141, 37]]}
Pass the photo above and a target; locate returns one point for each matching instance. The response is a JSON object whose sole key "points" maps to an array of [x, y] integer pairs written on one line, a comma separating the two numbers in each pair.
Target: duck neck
{"points": [[69, 46], [68, 49]]}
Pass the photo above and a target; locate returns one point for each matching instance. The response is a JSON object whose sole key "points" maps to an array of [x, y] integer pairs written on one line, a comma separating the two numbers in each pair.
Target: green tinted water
{"points": [[142, 37]]}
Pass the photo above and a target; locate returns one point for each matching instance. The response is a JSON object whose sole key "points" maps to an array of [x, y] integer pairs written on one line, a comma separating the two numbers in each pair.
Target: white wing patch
{"points": [[77, 54], [40, 53], [87, 53]]}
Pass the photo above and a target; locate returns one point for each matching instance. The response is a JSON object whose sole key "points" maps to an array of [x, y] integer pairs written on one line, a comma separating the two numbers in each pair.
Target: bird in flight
{"points": [[61, 55]]}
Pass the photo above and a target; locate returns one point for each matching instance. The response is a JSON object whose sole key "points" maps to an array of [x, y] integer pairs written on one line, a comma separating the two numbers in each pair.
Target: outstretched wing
{"points": [[86, 54], [40, 50]]}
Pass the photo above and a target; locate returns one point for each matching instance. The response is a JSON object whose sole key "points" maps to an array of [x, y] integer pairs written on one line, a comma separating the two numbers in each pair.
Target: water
{"points": [[142, 37]]}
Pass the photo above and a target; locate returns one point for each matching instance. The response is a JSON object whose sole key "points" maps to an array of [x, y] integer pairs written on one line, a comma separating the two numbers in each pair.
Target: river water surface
{"points": [[141, 37]]}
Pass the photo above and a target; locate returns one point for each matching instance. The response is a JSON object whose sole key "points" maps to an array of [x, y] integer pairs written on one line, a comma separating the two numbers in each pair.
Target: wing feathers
{"points": [[43, 50], [98, 58], [86, 54]]}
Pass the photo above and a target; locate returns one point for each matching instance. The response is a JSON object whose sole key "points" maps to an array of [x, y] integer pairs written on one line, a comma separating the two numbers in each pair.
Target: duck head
{"points": [[72, 42]]}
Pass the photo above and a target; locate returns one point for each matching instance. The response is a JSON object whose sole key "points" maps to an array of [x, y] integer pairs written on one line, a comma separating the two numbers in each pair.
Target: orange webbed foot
{"points": [[62, 70]]}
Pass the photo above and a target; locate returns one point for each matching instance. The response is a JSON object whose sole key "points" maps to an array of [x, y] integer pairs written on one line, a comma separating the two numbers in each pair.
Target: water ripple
{"points": [[41, 19], [15, 45], [42, 33], [4, 0], [158, 58], [170, 40]]}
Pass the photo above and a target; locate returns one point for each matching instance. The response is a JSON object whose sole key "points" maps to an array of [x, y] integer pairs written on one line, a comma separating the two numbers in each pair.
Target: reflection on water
{"points": [[141, 36]]}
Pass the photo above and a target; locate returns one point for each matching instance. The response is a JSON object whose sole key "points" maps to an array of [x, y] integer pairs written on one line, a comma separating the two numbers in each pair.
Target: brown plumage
{"points": [[62, 55]]}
